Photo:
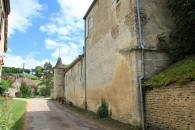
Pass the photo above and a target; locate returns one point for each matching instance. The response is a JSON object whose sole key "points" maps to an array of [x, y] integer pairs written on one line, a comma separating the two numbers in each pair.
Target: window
{"points": [[90, 24]]}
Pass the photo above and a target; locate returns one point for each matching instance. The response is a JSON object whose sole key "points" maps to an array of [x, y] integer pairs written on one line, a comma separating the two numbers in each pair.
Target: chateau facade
{"points": [[121, 49]]}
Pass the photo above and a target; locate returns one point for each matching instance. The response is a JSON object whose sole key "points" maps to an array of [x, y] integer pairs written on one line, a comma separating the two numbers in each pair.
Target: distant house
{"points": [[4, 12]]}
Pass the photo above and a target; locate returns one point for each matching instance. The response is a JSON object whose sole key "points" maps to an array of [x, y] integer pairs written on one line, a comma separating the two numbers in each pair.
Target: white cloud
{"points": [[22, 12], [67, 27], [66, 51], [9, 50], [50, 44], [29, 61]]}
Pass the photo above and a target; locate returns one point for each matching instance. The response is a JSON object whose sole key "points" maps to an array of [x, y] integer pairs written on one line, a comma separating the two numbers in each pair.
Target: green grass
{"points": [[37, 82], [11, 114], [179, 72], [29, 76]]}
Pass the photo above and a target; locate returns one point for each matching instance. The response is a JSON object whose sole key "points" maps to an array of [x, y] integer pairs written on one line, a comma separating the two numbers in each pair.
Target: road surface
{"points": [[43, 114]]}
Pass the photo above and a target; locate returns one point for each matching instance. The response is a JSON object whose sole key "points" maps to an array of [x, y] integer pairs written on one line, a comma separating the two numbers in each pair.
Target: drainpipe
{"points": [[85, 82], [142, 62]]}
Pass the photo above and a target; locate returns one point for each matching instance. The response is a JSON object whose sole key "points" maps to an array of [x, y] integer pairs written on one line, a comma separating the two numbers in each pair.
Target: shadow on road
{"points": [[47, 116]]}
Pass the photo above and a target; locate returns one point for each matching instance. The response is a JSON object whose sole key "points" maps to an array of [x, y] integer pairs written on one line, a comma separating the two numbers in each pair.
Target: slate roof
{"points": [[59, 64]]}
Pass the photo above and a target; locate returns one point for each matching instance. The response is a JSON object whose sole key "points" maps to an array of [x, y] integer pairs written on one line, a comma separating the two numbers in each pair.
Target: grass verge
{"points": [[11, 114], [179, 72]]}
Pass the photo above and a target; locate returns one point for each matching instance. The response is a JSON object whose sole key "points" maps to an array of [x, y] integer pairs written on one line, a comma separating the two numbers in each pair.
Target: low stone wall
{"points": [[171, 107]]}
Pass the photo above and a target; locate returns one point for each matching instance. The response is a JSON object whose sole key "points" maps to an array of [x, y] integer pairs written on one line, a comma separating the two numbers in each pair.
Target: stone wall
{"points": [[111, 70], [171, 107], [156, 22], [113, 54], [74, 83], [113, 57]]}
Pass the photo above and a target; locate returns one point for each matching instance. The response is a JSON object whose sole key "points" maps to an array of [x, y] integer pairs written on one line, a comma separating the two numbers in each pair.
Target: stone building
{"points": [[4, 12], [58, 90], [121, 48]]}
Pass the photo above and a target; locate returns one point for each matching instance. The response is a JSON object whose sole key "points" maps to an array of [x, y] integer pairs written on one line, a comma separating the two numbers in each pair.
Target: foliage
{"points": [[103, 110], [179, 72], [25, 91], [4, 85], [38, 71], [7, 70], [182, 38], [42, 91], [29, 76], [47, 69], [47, 78], [18, 94], [65, 66], [11, 114]]}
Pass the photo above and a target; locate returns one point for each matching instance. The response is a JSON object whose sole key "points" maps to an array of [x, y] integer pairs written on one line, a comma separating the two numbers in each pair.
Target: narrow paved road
{"points": [[43, 114]]}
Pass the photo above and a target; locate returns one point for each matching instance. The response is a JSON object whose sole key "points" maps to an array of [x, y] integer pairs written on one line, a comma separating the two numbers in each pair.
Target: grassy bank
{"points": [[181, 71], [11, 114]]}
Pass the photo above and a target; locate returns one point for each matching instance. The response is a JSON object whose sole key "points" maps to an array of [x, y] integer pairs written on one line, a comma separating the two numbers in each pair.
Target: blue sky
{"points": [[38, 29]]}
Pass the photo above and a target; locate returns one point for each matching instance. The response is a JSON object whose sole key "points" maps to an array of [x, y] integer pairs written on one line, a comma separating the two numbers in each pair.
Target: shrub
{"points": [[103, 110], [4, 85], [18, 94], [42, 91], [25, 91]]}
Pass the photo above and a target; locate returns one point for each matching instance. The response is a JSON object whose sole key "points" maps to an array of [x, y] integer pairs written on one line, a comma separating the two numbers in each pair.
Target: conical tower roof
{"points": [[59, 64]]}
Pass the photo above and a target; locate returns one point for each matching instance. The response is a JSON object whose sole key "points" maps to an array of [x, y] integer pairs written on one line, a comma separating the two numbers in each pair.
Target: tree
{"points": [[27, 71], [25, 91], [182, 37], [42, 91], [4, 85], [47, 69], [9, 70], [47, 77], [38, 71]]}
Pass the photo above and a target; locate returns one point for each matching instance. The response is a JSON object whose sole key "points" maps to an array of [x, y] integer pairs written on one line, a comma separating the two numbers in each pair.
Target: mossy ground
{"points": [[179, 72]]}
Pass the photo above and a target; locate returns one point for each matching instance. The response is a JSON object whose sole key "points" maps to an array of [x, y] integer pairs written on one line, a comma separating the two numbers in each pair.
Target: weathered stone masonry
{"points": [[74, 82], [171, 107], [113, 57], [58, 90]]}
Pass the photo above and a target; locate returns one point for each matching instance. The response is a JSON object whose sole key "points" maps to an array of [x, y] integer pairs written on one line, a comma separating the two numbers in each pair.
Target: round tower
{"points": [[59, 71]]}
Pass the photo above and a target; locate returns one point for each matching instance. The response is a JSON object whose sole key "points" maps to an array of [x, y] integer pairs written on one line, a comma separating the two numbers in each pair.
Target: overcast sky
{"points": [[38, 29]]}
